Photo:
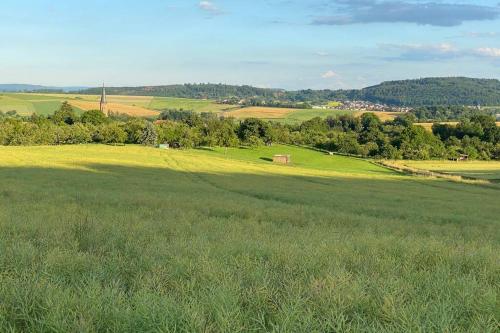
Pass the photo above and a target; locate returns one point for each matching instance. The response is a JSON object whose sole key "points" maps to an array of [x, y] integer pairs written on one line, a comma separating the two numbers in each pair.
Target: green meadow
{"points": [[98, 238]]}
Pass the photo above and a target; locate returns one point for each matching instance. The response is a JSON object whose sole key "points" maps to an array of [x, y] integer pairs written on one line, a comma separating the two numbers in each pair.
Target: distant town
{"points": [[363, 106]]}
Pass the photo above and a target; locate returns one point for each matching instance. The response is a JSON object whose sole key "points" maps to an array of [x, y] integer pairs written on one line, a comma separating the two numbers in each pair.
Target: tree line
{"points": [[368, 136], [451, 112]]}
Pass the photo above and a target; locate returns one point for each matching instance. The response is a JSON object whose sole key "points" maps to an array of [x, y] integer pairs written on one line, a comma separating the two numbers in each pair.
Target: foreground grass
{"points": [[98, 238]]}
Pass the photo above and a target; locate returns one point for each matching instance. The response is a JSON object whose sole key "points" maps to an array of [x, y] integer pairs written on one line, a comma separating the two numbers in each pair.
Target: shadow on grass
{"points": [[204, 149]]}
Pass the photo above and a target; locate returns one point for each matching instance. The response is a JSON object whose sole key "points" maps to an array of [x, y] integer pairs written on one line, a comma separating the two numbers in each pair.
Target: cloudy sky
{"points": [[289, 44]]}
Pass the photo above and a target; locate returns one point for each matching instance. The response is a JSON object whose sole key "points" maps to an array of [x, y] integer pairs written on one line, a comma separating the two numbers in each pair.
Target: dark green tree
{"points": [[65, 114]]}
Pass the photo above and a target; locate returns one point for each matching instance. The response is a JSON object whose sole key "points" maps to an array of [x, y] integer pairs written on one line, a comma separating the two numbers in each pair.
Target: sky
{"points": [[290, 44]]}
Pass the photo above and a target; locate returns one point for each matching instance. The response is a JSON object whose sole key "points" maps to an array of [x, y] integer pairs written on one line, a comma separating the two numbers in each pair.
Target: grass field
{"points": [[474, 169], [131, 239], [27, 104]]}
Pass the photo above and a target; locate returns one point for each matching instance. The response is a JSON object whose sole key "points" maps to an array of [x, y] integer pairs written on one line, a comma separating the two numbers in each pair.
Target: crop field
{"points": [[282, 114], [130, 110], [196, 105], [473, 169], [98, 238], [294, 116], [139, 106], [260, 112]]}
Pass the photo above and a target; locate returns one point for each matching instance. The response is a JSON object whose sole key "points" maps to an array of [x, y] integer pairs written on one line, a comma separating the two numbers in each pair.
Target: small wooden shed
{"points": [[461, 157], [282, 159]]}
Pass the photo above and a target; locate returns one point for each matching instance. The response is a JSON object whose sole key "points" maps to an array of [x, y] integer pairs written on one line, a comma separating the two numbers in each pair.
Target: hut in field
{"points": [[282, 159]]}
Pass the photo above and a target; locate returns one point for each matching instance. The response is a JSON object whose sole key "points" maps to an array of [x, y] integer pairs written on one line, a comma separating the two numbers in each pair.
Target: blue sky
{"points": [[288, 44]]}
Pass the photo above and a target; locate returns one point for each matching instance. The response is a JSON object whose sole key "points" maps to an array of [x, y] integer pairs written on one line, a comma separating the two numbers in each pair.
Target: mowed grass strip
{"points": [[131, 239], [474, 169]]}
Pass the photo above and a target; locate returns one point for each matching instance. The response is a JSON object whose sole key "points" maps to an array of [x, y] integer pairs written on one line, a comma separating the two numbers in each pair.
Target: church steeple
{"points": [[102, 104]]}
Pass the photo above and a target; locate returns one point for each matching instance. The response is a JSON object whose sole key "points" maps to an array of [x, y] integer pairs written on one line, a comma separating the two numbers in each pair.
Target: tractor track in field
{"points": [[198, 177]]}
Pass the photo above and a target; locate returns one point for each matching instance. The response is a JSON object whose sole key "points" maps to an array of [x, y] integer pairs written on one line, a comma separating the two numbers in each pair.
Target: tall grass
{"points": [[132, 239]]}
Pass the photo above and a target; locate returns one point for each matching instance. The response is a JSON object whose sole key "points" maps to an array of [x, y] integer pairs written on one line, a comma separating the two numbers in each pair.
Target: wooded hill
{"points": [[434, 91], [202, 90]]}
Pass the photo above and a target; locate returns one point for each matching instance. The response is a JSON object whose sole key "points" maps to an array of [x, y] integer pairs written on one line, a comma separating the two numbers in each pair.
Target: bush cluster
{"points": [[368, 136]]}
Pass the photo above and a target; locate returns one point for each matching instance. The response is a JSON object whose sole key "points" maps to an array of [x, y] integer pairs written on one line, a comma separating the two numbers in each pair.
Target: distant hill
{"points": [[434, 91], [38, 88], [413, 93]]}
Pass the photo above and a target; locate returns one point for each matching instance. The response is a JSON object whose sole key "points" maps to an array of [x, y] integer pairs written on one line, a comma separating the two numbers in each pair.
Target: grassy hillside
{"points": [[129, 239]]}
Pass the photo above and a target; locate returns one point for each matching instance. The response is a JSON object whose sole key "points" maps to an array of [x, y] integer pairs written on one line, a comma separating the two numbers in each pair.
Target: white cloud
{"points": [[329, 75], [488, 52], [474, 34], [209, 7], [422, 52], [322, 54]]}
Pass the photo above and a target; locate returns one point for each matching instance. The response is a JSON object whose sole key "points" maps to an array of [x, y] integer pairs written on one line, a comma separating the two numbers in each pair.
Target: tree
{"points": [[65, 114], [256, 128], [149, 135], [111, 133], [94, 117], [134, 128]]}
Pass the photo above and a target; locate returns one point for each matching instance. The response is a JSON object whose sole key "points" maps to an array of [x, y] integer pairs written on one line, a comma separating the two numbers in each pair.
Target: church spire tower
{"points": [[103, 102]]}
